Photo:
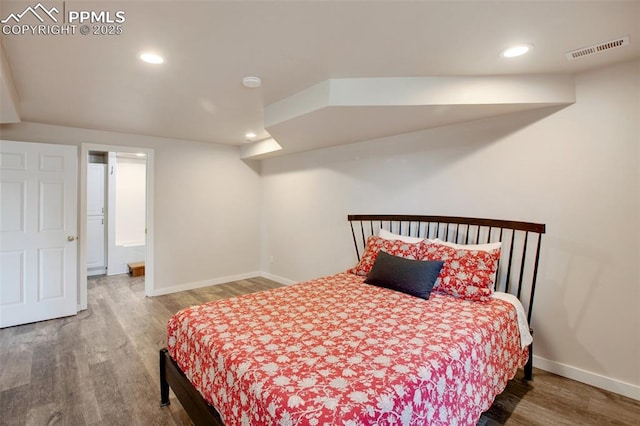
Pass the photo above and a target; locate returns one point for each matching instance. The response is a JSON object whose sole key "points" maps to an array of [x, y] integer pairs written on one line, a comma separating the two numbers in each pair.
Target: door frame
{"points": [[82, 240]]}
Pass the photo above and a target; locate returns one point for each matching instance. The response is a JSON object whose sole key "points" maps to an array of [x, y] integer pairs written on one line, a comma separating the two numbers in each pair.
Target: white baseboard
{"points": [[276, 278], [613, 385], [205, 283]]}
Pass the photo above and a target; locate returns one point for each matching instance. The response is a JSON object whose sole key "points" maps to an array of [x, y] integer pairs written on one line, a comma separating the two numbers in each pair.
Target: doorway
{"points": [[133, 238], [116, 213]]}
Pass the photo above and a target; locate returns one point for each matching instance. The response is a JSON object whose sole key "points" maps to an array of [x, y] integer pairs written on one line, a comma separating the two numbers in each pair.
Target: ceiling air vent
{"points": [[597, 48]]}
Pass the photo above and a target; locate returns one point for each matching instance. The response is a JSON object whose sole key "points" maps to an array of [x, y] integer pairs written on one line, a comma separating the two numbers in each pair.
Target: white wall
{"points": [[130, 201], [575, 169], [126, 213], [206, 203]]}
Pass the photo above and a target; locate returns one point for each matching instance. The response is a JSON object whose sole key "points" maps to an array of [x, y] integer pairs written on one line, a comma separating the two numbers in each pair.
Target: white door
{"points": [[38, 229], [95, 189], [95, 246], [96, 241]]}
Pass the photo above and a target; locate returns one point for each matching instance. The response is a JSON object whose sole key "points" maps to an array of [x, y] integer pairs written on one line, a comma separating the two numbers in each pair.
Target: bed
{"points": [[338, 350]]}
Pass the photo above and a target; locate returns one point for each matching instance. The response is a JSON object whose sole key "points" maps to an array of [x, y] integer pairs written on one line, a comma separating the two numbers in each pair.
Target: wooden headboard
{"points": [[518, 267]]}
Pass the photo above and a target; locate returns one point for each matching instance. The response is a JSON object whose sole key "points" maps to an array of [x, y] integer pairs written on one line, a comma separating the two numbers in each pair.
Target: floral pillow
{"points": [[393, 247], [468, 274]]}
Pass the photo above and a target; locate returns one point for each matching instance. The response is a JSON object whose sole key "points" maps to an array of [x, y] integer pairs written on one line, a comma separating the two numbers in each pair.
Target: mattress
{"points": [[338, 351]]}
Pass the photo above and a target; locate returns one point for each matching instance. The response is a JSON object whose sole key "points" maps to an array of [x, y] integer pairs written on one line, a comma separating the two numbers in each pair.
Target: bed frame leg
{"points": [[528, 367], [164, 385]]}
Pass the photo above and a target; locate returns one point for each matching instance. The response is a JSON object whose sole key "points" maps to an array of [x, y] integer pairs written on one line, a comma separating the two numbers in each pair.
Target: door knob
{"points": [[71, 238]]}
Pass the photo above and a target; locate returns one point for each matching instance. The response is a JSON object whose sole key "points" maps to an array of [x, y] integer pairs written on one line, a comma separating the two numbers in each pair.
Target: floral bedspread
{"points": [[336, 351]]}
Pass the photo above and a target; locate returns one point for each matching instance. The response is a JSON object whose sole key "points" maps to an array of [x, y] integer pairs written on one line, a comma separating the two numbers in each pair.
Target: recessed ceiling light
{"points": [[251, 82], [249, 135], [151, 58], [515, 51]]}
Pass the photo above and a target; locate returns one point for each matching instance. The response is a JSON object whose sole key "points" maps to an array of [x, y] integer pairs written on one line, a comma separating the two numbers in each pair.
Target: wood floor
{"points": [[101, 368]]}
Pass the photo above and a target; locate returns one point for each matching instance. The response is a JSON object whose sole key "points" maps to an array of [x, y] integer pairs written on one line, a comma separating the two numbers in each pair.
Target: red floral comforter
{"points": [[336, 351]]}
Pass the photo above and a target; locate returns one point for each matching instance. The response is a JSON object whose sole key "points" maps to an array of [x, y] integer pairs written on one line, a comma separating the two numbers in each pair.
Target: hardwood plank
{"points": [[14, 405], [20, 359], [66, 390], [87, 401], [42, 381], [113, 406], [47, 414], [612, 407]]}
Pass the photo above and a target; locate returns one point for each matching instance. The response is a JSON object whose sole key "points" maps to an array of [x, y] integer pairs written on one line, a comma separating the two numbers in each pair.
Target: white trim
{"points": [[205, 283], [83, 162], [149, 279], [613, 385], [276, 278]]}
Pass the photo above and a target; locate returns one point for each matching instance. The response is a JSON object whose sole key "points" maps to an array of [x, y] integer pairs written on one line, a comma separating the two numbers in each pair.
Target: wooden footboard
{"points": [[194, 404]]}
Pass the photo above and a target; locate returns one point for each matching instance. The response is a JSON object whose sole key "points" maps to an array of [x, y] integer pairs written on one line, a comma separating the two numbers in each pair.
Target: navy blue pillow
{"points": [[414, 277]]}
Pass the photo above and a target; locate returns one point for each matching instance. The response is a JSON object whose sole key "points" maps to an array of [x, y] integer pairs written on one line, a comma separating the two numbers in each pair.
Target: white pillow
{"points": [[477, 247], [386, 235]]}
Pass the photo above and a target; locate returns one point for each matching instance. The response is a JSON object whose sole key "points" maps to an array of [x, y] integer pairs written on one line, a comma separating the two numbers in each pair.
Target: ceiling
{"points": [[97, 81]]}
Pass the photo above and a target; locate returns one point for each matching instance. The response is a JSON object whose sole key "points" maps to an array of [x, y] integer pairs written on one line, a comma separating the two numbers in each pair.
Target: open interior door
{"points": [[38, 232]]}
